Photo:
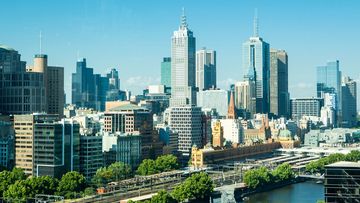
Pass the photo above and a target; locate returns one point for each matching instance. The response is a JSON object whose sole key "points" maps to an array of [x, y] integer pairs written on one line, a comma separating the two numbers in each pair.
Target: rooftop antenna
{"points": [[183, 19], [40, 42], [256, 24]]}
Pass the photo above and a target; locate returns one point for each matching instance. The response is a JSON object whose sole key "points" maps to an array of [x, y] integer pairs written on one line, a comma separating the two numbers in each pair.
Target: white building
{"points": [[183, 47], [205, 69], [245, 95], [232, 130], [327, 116], [187, 122], [214, 99]]}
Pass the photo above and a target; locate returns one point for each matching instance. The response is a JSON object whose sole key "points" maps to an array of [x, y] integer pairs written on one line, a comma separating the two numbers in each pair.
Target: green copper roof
{"points": [[127, 107], [6, 47], [285, 133]]}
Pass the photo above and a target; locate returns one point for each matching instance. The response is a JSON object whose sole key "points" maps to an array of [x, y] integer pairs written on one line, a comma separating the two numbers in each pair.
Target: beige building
{"points": [[245, 96], [53, 82], [217, 135], [24, 140]]}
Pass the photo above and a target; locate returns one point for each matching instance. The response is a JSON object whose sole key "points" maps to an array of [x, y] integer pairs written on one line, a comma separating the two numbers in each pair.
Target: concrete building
{"points": [[46, 146], [342, 181], [256, 63], [166, 72], [214, 99], [349, 102], [327, 116], [91, 157], [183, 47], [232, 130], [187, 122], [169, 138], [7, 145], [330, 137], [205, 69], [305, 107], [217, 134], [21, 92], [245, 96], [279, 94]]}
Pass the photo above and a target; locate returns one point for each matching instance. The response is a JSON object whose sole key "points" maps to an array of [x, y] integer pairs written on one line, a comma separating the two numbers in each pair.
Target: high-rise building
{"points": [[305, 107], [279, 94], [349, 102], [205, 69], [183, 47], [46, 146], [245, 96], [256, 63], [166, 71], [21, 92], [214, 99], [91, 158], [187, 122], [7, 145], [88, 89], [114, 80], [329, 81]]}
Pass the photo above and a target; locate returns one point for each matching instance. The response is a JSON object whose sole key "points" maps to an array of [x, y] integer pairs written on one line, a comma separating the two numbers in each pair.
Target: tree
{"points": [[197, 187], [283, 172], [17, 192], [71, 184], [257, 177], [115, 172], [8, 178], [166, 163], [162, 197], [147, 167], [354, 155]]}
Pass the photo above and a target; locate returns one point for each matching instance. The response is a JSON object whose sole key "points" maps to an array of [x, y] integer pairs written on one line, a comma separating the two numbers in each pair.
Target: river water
{"points": [[305, 192]]}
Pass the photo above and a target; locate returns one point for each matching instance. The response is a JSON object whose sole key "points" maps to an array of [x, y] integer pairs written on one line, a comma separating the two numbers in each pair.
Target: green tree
{"points": [[8, 178], [17, 192], [283, 172], [147, 167], [166, 163], [115, 172], [257, 177], [71, 184], [162, 197], [197, 187], [354, 155]]}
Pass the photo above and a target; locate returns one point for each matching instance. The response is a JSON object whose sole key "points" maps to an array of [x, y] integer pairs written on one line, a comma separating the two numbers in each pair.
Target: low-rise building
{"points": [[336, 136]]}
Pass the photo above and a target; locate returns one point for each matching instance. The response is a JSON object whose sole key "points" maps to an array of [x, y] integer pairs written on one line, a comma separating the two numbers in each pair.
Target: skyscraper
{"points": [[279, 94], [114, 81], [305, 107], [329, 81], [21, 92], [183, 46], [349, 102], [256, 63], [205, 69], [166, 71], [245, 96]]}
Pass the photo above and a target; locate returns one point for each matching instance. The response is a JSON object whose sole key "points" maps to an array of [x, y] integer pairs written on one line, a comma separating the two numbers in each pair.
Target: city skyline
{"points": [[105, 20]]}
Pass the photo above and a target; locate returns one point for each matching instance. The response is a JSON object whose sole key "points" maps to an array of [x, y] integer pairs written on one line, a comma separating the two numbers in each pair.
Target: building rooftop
{"points": [[6, 47], [345, 164], [127, 107]]}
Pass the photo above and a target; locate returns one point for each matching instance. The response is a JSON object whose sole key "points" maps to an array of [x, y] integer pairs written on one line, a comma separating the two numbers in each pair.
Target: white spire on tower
{"points": [[256, 24], [183, 19]]}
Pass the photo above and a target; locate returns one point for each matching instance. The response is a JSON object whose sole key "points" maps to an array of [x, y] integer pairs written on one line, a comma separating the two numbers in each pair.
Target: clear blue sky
{"points": [[134, 35]]}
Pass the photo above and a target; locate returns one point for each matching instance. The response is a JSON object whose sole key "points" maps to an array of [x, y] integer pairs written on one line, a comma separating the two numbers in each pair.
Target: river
{"points": [[305, 192]]}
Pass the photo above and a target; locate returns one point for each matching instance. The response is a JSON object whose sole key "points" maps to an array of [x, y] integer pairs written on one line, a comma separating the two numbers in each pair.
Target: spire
{"points": [[256, 24], [231, 109], [183, 19], [40, 38]]}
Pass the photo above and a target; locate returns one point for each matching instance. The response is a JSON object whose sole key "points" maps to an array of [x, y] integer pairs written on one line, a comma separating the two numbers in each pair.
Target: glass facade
{"points": [[166, 71]]}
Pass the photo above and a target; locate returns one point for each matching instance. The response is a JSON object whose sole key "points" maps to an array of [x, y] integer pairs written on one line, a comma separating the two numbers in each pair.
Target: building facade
{"points": [[183, 47], [166, 71], [349, 102], [279, 94], [305, 107], [91, 157], [205, 69], [214, 99], [245, 96], [7, 145]]}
